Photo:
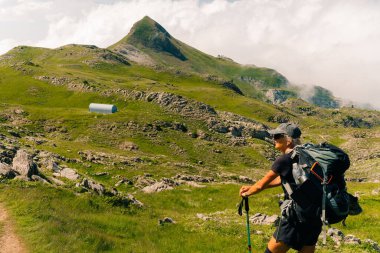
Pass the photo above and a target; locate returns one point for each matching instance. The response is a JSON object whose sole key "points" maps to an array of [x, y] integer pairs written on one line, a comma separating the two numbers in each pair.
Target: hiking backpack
{"points": [[320, 188]]}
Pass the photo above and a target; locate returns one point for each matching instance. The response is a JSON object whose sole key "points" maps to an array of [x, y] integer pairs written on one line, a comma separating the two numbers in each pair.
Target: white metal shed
{"points": [[102, 108]]}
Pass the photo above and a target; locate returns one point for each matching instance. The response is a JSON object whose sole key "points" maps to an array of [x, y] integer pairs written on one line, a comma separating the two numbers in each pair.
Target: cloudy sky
{"points": [[331, 43]]}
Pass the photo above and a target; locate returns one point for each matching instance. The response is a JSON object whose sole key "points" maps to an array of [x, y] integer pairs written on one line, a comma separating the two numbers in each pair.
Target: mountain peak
{"points": [[150, 34]]}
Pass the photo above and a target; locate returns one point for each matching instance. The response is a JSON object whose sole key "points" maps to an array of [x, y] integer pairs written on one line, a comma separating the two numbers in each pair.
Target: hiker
{"points": [[289, 234]]}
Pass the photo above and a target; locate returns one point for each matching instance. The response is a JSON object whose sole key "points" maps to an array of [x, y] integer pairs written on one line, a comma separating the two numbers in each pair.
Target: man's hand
{"points": [[244, 190]]}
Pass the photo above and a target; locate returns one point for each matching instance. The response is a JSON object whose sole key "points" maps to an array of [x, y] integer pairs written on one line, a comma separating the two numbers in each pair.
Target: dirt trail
{"points": [[9, 241]]}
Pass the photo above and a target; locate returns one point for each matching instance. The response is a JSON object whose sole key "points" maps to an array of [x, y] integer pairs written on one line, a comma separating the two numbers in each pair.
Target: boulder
{"points": [[69, 174], [91, 185], [24, 165]]}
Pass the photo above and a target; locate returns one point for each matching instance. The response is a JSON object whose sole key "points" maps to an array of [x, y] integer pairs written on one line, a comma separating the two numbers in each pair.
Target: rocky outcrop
{"points": [[92, 186], [164, 184], [194, 178], [106, 158], [278, 96], [174, 103]]}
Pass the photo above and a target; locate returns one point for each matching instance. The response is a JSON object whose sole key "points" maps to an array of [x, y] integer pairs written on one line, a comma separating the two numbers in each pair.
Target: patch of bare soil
{"points": [[9, 241]]}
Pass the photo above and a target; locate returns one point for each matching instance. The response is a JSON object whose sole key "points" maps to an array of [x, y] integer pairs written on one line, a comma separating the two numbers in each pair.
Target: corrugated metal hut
{"points": [[102, 108]]}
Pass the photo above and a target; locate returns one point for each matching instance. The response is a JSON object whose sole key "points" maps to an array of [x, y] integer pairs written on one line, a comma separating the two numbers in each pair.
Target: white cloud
{"points": [[333, 44]]}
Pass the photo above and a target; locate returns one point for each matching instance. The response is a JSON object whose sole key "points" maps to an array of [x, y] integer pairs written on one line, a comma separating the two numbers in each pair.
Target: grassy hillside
{"points": [[45, 95]]}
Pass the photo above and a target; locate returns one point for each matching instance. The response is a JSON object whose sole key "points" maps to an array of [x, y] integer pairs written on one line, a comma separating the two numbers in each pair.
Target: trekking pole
{"points": [[248, 230], [244, 202]]}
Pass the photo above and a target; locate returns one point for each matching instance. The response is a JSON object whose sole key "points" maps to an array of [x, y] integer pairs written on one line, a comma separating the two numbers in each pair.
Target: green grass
{"points": [[56, 219], [49, 219]]}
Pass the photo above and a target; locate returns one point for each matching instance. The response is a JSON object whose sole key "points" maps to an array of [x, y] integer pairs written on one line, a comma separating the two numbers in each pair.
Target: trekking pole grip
{"points": [[246, 205]]}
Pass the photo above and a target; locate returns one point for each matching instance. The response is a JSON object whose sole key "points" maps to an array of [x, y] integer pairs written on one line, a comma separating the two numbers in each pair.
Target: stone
{"points": [[24, 165], [96, 187], [246, 180], [6, 171], [166, 220], [134, 201], [263, 219], [39, 179], [194, 178], [99, 174], [127, 145], [351, 239], [336, 235], [374, 244], [56, 181], [157, 187], [203, 217], [69, 174]]}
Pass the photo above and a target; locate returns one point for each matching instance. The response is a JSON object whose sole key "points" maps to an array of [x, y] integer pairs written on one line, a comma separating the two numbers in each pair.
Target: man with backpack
{"points": [[290, 233]]}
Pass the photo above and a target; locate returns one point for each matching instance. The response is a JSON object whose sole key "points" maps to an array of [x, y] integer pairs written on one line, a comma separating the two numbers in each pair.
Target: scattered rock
{"points": [[351, 239], [69, 174], [166, 220], [91, 185], [374, 244], [336, 235], [56, 181], [123, 181], [246, 180], [263, 219], [143, 181], [203, 217], [238, 179], [6, 171], [164, 184], [39, 179], [127, 145], [194, 178], [99, 174]]}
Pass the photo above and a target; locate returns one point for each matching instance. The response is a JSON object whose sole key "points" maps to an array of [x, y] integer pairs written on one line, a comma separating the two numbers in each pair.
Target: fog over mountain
{"points": [[333, 44]]}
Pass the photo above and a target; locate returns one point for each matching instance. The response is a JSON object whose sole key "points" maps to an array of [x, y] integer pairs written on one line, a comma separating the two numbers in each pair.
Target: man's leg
{"points": [[307, 249], [277, 247]]}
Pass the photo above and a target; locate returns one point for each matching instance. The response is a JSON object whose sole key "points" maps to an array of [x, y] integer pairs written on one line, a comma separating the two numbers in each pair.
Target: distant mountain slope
{"points": [[148, 43]]}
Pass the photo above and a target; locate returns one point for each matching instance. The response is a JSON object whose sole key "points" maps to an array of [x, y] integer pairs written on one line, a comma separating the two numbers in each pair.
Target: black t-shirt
{"points": [[283, 166]]}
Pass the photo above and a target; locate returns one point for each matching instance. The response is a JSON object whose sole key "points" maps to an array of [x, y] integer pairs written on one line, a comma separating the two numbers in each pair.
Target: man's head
{"points": [[288, 129], [286, 136]]}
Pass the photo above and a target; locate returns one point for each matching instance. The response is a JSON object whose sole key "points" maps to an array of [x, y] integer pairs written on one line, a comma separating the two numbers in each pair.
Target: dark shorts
{"points": [[299, 235]]}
